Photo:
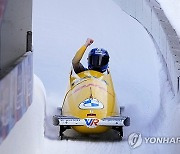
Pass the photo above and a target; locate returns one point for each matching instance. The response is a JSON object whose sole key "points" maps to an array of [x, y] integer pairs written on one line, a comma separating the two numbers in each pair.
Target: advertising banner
{"points": [[15, 94]]}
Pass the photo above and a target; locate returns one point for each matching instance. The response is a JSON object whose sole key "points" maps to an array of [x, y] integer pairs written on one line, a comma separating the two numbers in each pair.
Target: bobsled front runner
{"points": [[90, 105]]}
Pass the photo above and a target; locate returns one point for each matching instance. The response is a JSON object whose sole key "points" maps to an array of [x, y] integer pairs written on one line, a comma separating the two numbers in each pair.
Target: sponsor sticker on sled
{"points": [[91, 104], [91, 123]]}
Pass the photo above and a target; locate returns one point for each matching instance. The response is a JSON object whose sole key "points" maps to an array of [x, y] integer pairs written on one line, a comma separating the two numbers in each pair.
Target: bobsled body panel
{"points": [[90, 96]]}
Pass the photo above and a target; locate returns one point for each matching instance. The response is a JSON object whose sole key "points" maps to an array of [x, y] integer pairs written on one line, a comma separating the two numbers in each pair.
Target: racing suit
{"points": [[78, 67]]}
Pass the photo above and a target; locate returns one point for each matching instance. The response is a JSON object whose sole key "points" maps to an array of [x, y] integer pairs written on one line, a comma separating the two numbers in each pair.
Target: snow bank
{"points": [[172, 11], [165, 122], [27, 135]]}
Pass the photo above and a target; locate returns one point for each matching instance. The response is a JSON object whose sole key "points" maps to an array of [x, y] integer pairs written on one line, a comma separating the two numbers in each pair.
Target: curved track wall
{"points": [[150, 14], [15, 62], [15, 94]]}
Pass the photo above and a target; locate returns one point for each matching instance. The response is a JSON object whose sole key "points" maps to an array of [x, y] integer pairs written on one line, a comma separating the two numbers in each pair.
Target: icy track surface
{"points": [[60, 28]]}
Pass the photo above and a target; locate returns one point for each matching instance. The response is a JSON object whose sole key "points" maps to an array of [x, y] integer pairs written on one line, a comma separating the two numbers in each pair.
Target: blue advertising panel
{"points": [[15, 94]]}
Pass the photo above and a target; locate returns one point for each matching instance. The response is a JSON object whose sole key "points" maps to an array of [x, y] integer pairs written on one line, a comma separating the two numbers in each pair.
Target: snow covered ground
{"points": [[27, 137], [60, 28]]}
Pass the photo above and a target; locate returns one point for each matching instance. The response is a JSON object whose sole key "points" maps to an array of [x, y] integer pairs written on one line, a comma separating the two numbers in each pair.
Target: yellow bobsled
{"points": [[90, 105]]}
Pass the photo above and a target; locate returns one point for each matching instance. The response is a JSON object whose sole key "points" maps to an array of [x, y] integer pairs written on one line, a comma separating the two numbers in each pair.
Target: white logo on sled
{"points": [[91, 104], [135, 140]]}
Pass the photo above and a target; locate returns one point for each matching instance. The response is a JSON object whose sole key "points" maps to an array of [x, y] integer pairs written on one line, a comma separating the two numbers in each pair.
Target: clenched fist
{"points": [[89, 41]]}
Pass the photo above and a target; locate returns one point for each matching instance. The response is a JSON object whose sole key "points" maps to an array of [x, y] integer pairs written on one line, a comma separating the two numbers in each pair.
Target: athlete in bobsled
{"points": [[90, 105], [98, 58]]}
